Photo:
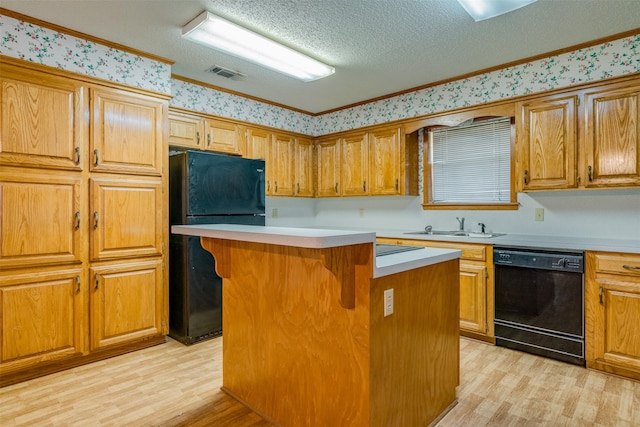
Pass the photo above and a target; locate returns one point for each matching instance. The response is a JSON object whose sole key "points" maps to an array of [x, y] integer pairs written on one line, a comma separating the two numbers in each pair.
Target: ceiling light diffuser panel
{"points": [[218, 33], [485, 9]]}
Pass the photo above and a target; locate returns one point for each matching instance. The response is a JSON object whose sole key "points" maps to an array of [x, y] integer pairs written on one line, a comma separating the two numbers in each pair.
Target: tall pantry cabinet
{"points": [[82, 220]]}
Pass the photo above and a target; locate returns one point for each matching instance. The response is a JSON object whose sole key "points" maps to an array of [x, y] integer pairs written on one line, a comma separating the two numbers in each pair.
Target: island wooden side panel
{"points": [[291, 351], [415, 355]]}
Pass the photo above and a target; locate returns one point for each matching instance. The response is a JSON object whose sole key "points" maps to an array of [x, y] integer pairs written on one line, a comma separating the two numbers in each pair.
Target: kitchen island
{"points": [[306, 341]]}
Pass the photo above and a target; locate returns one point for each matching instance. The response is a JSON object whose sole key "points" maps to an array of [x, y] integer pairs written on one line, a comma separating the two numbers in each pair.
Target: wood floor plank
{"points": [[172, 385]]}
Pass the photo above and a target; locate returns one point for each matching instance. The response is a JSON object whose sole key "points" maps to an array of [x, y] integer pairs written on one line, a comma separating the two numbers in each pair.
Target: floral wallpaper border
{"points": [[33, 43], [23, 40]]}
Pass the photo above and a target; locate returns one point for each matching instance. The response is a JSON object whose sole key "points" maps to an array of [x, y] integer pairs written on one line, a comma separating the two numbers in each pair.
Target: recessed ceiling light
{"points": [[218, 33], [485, 9]]}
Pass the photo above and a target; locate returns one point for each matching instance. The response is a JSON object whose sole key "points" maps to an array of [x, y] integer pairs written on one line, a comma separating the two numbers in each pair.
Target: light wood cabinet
{"points": [[125, 302], [42, 214], [611, 155], [386, 163], [43, 317], [328, 168], [613, 313], [586, 138], [354, 165], [186, 130], [476, 285], [547, 147], [282, 161], [304, 167], [258, 142], [224, 137], [372, 163], [126, 218], [42, 123], [70, 204], [127, 132]]}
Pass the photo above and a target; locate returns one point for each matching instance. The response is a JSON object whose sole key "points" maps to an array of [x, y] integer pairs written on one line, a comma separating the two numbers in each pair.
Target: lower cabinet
{"points": [[126, 302], [44, 317], [476, 285], [612, 305]]}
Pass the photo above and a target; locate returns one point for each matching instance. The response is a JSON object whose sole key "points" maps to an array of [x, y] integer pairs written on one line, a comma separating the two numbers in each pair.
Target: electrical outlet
{"points": [[361, 212], [274, 213], [539, 215], [388, 302]]}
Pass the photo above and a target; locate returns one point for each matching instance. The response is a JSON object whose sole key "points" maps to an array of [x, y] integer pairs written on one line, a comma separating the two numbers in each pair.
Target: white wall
{"points": [[588, 213]]}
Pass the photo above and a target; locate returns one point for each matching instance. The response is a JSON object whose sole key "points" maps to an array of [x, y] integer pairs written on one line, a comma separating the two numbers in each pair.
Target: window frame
{"points": [[453, 120]]}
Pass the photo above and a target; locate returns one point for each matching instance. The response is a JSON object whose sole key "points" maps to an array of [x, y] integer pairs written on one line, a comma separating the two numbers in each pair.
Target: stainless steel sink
{"points": [[456, 233]]}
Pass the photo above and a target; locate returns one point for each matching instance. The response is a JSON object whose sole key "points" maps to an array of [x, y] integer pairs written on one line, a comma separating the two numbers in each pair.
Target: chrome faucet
{"points": [[482, 227], [461, 222]]}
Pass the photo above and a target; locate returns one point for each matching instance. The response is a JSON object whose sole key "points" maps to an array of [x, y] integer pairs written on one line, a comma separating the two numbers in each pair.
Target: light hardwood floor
{"points": [[176, 385]]}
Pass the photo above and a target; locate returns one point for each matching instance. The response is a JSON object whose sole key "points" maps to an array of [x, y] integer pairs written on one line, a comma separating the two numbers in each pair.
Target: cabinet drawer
{"points": [[618, 264]]}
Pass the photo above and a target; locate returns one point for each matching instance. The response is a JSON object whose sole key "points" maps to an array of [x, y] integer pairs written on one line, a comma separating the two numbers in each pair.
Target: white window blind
{"points": [[471, 164]]}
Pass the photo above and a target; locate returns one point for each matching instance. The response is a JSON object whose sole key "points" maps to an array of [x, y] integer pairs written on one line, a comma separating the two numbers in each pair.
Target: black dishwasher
{"points": [[539, 302]]}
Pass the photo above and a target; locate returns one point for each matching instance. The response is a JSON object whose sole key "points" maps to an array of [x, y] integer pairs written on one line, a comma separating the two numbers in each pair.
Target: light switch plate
{"points": [[539, 214]]}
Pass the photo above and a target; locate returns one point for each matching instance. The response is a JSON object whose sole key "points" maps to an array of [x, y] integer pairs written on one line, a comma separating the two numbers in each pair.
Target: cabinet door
{"points": [[613, 313], [127, 132], [612, 143], [126, 218], [42, 122], [304, 167], [223, 137], [473, 298], [282, 160], [126, 302], [259, 147], [354, 165], [547, 144], [386, 162], [42, 218], [43, 317], [186, 130], [328, 168]]}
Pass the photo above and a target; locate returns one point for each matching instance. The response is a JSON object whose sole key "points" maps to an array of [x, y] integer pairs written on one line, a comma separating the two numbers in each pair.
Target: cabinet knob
{"points": [[77, 226], [96, 157], [208, 139], [96, 279], [77, 284], [364, 186], [198, 138], [526, 177], [298, 188], [590, 173], [600, 295], [77, 155], [96, 219], [336, 188]]}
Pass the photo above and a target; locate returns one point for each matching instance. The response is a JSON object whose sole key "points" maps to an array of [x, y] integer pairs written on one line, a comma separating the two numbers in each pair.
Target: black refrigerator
{"points": [[206, 188]]}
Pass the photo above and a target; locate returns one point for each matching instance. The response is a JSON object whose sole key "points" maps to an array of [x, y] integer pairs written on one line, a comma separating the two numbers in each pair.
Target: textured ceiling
{"points": [[378, 47]]}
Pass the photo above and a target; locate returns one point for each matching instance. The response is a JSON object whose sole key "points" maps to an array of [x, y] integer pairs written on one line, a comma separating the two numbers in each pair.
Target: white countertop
{"points": [[320, 238], [528, 240]]}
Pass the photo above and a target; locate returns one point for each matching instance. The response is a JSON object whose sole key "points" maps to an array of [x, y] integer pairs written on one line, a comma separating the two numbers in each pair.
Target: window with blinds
{"points": [[471, 164]]}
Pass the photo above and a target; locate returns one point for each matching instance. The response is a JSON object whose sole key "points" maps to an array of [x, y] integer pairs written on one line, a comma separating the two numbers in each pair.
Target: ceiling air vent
{"points": [[225, 72]]}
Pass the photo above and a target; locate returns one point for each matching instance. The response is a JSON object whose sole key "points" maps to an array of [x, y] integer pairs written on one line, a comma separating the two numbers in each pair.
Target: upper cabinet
{"points": [[127, 133], [224, 137], [547, 143], [374, 163], [386, 164], [586, 138], [186, 130], [612, 136], [42, 123], [328, 168], [282, 161], [200, 133], [304, 166]]}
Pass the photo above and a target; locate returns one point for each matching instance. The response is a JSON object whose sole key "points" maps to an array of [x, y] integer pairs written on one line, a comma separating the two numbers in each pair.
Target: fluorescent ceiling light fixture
{"points": [[485, 9], [218, 33]]}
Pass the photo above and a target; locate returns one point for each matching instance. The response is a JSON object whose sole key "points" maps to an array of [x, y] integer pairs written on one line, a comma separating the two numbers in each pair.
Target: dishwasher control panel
{"points": [[539, 258]]}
